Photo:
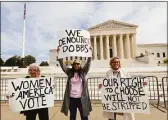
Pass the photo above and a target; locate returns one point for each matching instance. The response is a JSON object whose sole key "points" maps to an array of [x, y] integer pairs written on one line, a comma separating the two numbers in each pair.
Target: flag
{"points": [[24, 11]]}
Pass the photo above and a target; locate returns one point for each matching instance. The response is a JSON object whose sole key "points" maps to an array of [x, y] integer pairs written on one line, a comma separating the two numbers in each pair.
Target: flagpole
{"points": [[23, 37]]}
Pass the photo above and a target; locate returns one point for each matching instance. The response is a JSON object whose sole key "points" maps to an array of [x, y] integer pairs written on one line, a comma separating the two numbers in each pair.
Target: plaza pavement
{"points": [[96, 114]]}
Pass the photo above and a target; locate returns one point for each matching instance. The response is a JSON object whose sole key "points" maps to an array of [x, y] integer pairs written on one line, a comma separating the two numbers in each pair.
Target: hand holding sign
{"points": [[145, 83], [90, 48], [58, 49], [100, 86], [7, 97]]}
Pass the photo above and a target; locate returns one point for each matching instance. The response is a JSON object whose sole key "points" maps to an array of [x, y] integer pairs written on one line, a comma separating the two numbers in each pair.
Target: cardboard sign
{"points": [[125, 95], [30, 93], [74, 42]]}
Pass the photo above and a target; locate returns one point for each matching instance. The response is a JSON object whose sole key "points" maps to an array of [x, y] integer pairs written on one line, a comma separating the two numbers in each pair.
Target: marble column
{"points": [[101, 47], [95, 48], [134, 45], [114, 46], [121, 54], [127, 46], [107, 47]]}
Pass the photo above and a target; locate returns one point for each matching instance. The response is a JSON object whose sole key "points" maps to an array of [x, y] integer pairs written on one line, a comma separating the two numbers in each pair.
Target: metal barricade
{"points": [[94, 91], [165, 91], [153, 88], [60, 85], [4, 89], [154, 93]]}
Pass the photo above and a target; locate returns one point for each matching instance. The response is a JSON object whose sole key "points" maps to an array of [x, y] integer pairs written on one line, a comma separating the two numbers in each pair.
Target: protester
{"points": [[34, 72], [117, 72], [76, 94]]}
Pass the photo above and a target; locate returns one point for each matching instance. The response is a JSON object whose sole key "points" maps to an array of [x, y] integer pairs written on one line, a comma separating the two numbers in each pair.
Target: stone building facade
{"points": [[115, 38]]}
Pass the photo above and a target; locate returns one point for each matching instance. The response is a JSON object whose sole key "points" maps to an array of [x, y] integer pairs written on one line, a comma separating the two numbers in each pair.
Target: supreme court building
{"points": [[108, 39], [113, 38]]}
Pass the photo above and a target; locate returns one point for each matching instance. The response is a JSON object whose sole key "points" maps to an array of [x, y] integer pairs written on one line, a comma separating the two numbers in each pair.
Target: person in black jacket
{"points": [[34, 71]]}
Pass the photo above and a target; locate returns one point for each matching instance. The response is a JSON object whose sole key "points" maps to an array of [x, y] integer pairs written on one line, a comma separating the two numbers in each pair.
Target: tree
{"points": [[19, 62], [29, 59], [12, 61], [44, 63], [1, 62]]}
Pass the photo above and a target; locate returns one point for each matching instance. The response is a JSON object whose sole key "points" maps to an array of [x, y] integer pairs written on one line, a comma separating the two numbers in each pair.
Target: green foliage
{"points": [[43, 63], [13, 61], [1, 62], [18, 61], [29, 59]]}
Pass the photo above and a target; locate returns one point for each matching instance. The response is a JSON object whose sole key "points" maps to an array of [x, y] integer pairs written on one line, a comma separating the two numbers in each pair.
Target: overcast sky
{"points": [[44, 19]]}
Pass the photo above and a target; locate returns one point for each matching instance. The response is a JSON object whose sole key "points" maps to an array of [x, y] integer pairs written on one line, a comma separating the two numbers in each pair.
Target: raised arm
{"points": [[88, 63], [63, 66]]}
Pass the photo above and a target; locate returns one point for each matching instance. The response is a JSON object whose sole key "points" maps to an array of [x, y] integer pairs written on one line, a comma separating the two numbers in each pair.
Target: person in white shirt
{"points": [[116, 72]]}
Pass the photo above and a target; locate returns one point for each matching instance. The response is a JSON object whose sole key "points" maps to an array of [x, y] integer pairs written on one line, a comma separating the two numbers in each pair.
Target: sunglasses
{"points": [[76, 64], [115, 62], [33, 70]]}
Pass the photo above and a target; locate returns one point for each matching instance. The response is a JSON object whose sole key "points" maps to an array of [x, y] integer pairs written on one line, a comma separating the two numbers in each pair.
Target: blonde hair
{"points": [[113, 59], [34, 65], [77, 61]]}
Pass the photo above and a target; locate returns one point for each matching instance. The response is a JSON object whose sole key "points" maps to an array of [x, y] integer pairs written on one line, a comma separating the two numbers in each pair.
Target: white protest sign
{"points": [[30, 93], [125, 95], [74, 42]]}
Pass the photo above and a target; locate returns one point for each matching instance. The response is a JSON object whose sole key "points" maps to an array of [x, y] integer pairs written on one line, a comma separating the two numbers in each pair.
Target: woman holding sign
{"points": [[117, 72], [34, 72], [76, 93]]}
